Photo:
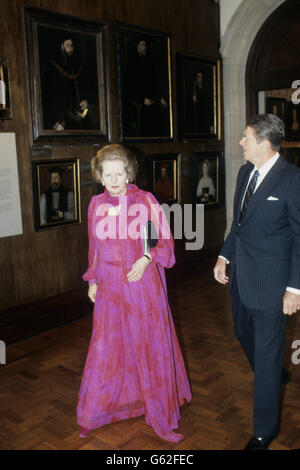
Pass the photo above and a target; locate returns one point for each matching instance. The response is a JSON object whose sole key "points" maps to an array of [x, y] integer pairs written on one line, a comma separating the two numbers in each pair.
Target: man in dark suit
{"points": [[263, 250]]}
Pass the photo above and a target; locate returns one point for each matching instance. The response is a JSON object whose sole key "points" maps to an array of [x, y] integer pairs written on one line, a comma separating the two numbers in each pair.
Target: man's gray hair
{"points": [[268, 127]]}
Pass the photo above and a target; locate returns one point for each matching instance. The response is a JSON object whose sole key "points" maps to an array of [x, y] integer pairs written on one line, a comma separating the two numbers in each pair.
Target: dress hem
{"points": [[86, 427]]}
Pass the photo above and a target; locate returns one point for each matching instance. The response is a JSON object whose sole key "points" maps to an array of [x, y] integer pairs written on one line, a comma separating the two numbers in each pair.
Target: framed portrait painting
{"points": [[166, 177], [67, 76], [199, 97], [208, 179], [145, 85], [56, 189], [275, 106], [5, 106], [292, 121]]}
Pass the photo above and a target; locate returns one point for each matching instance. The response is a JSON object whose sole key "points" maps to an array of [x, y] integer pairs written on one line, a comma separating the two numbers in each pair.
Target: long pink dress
{"points": [[134, 364]]}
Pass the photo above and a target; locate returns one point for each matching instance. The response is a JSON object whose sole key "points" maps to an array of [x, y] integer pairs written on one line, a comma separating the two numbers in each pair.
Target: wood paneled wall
{"points": [[35, 265]]}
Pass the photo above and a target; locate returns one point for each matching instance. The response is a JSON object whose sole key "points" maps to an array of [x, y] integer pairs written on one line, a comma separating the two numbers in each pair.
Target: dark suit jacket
{"points": [[264, 249]]}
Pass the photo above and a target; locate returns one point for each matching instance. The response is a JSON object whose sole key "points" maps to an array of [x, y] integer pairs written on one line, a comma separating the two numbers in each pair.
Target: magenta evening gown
{"points": [[134, 364]]}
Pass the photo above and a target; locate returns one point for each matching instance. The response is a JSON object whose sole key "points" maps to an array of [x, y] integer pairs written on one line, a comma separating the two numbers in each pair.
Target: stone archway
{"points": [[235, 47]]}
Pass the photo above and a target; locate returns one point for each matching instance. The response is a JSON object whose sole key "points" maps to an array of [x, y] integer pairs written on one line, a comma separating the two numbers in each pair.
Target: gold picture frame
{"points": [[144, 84], [166, 177], [208, 179], [68, 77], [199, 98], [56, 189]]}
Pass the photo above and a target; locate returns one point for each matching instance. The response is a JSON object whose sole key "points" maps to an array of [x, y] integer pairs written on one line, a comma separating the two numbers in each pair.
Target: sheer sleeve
{"points": [[163, 252], [91, 275]]}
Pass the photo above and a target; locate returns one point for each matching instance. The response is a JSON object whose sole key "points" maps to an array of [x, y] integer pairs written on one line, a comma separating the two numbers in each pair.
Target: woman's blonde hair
{"points": [[114, 152]]}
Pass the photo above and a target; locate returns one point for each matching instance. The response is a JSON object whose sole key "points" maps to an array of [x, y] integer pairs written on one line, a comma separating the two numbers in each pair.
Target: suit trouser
{"points": [[262, 337]]}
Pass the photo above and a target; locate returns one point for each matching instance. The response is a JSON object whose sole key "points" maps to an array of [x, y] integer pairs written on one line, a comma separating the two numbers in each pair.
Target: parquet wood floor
{"points": [[40, 382]]}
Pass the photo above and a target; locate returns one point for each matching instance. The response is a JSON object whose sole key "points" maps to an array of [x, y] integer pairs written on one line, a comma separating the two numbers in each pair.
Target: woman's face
{"points": [[114, 177]]}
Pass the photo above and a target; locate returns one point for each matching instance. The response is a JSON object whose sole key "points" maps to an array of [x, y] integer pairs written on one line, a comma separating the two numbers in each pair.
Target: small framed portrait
{"points": [[166, 177], [292, 121], [145, 85], [5, 106], [275, 106], [208, 179], [67, 76], [56, 189], [199, 97]]}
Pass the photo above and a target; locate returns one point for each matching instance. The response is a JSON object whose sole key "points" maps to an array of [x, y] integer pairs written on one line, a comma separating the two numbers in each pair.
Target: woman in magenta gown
{"points": [[134, 365]]}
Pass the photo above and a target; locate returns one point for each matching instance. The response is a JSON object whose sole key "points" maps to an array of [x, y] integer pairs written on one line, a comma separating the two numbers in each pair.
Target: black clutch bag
{"points": [[149, 236]]}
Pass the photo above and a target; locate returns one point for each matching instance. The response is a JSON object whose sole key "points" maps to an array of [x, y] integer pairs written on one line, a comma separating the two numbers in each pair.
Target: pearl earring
{"points": [[127, 181]]}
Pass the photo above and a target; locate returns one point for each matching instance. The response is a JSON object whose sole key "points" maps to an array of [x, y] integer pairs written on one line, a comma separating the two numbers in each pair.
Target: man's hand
{"points": [[84, 105], [291, 303], [220, 271], [58, 126]]}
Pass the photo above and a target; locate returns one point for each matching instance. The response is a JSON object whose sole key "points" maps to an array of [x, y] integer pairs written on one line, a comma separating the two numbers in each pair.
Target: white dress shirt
{"points": [[263, 170]]}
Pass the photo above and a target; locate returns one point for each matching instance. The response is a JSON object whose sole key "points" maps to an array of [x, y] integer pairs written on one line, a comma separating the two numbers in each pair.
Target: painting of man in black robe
{"points": [[57, 201], [199, 97], [199, 100], [145, 85], [68, 74], [56, 188]]}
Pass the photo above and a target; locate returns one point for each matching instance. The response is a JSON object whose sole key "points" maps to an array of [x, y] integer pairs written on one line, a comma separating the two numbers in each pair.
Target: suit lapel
{"points": [[268, 183]]}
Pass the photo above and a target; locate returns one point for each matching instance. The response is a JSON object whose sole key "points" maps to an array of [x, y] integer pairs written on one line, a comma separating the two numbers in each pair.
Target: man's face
{"points": [[142, 47], [55, 181], [199, 78], [252, 149], [68, 47]]}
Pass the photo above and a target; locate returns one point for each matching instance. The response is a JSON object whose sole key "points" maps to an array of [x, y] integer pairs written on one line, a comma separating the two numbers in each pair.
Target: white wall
{"points": [[227, 10]]}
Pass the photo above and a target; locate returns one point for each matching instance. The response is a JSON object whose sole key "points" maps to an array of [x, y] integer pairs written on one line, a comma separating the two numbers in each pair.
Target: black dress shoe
{"points": [[286, 377], [259, 443]]}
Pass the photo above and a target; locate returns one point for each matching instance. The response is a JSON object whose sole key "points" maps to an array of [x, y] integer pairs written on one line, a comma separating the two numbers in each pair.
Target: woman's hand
{"points": [[138, 269], [92, 292]]}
